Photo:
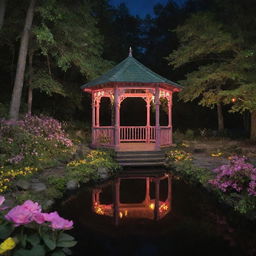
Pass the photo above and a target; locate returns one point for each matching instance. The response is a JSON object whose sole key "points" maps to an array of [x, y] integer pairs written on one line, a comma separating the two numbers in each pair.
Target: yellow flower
{"points": [[7, 245]]}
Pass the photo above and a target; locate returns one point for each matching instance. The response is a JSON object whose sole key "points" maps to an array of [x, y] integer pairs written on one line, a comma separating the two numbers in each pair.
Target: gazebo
{"points": [[131, 79]]}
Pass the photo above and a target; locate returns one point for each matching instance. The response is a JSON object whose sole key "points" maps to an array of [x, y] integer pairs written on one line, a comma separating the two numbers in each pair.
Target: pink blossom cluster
{"points": [[236, 176], [16, 159], [46, 127], [31, 211]]}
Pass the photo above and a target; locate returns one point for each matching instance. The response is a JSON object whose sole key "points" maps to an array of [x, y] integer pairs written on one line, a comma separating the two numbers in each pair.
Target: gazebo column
{"points": [[98, 113], [170, 117], [93, 119], [156, 209], [117, 118], [157, 100], [147, 197], [148, 119], [116, 201]]}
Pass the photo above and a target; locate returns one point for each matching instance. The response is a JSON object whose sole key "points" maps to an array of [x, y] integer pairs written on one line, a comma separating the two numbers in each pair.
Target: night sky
{"points": [[142, 7]]}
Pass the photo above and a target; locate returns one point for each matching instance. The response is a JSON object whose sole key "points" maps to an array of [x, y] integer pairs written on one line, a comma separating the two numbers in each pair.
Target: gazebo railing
{"points": [[137, 134], [104, 135], [165, 136]]}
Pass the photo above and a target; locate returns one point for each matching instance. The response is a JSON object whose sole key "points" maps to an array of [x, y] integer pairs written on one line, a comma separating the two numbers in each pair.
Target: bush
{"points": [[34, 141]]}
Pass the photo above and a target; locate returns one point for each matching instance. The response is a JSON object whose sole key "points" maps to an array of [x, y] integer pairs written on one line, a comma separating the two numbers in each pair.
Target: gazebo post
{"points": [[170, 117], [157, 117], [116, 201], [117, 117], [148, 120], [98, 113], [93, 119], [147, 197], [169, 198], [156, 209]]}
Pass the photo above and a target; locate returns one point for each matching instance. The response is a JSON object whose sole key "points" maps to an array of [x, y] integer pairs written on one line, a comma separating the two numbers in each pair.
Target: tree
{"points": [[208, 49], [19, 78], [2, 12]]}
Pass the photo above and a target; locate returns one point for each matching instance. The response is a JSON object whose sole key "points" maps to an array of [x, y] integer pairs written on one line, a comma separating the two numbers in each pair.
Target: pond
{"points": [[120, 217]]}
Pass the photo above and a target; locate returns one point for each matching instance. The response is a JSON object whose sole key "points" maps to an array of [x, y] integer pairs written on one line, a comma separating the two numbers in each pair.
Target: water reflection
{"points": [[156, 202]]}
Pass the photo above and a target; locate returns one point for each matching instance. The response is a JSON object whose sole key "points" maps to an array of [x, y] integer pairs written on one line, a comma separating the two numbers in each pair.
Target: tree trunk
{"points": [[30, 89], [19, 78], [2, 12], [220, 118], [253, 125]]}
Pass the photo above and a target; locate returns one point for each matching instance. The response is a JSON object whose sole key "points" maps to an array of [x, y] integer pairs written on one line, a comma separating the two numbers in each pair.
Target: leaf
{"points": [[58, 253], [65, 237], [66, 243], [34, 239], [5, 230], [49, 240], [22, 252], [37, 250]]}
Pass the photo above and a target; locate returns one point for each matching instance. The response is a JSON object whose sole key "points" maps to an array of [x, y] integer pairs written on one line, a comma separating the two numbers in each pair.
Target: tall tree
{"points": [[19, 78], [2, 12], [208, 49]]}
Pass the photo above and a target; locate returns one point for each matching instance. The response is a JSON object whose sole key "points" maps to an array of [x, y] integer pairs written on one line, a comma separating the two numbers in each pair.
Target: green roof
{"points": [[129, 70]]}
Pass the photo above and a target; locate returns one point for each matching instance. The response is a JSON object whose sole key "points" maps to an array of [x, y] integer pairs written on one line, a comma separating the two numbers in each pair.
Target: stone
{"points": [[23, 184], [103, 172], [35, 180], [49, 203], [38, 187], [72, 185]]}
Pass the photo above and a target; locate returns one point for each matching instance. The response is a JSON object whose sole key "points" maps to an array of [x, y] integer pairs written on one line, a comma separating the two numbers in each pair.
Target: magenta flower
{"points": [[23, 214], [58, 222], [31, 206], [19, 215], [39, 218], [2, 199]]}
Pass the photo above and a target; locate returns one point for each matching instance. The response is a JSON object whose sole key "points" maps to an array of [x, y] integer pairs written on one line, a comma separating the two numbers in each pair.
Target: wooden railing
{"points": [[137, 134], [103, 135], [165, 136]]}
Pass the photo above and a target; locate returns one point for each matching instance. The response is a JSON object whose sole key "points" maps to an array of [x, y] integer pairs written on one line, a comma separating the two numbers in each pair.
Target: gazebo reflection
{"points": [[152, 207]]}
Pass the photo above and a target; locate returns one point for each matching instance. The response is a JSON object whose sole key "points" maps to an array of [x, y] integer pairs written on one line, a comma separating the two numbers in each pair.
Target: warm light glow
{"points": [[163, 207], [121, 215], [233, 100], [125, 213], [152, 206], [99, 210]]}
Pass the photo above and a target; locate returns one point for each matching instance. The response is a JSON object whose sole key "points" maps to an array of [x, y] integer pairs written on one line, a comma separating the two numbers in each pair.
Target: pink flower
{"points": [[39, 218], [25, 213], [31, 206], [2, 199], [58, 222], [19, 215]]}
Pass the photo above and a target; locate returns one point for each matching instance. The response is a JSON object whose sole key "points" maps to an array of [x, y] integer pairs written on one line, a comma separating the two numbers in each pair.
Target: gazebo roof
{"points": [[130, 71]]}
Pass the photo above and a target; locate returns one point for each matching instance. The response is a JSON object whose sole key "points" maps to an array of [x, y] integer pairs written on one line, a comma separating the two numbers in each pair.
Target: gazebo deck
{"points": [[136, 147]]}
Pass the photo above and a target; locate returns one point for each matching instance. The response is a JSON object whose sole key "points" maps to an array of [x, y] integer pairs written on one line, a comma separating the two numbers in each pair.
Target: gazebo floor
{"points": [[136, 147]]}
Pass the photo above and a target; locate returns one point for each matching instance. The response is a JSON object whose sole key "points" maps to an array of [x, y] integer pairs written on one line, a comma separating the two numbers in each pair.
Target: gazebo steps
{"points": [[140, 158]]}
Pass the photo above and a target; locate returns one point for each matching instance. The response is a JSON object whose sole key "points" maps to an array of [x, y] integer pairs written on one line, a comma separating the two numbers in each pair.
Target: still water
{"points": [[153, 213]]}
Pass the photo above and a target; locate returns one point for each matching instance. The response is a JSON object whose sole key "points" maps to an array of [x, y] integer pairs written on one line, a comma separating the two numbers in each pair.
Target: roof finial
{"points": [[130, 51]]}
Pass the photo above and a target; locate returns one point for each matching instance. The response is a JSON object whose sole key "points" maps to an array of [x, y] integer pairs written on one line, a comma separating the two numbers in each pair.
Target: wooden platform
{"points": [[136, 147]]}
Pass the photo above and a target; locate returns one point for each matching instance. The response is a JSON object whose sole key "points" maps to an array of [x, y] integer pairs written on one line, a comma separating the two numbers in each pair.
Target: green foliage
{"points": [[88, 167]]}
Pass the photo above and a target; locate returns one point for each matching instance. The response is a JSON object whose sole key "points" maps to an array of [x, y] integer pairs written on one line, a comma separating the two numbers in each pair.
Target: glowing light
{"points": [[121, 215], [152, 206], [233, 100], [125, 213], [99, 210], [163, 207]]}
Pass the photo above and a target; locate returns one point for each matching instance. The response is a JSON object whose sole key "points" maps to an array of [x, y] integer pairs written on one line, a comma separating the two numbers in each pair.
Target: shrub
{"points": [[178, 155], [33, 141], [238, 176]]}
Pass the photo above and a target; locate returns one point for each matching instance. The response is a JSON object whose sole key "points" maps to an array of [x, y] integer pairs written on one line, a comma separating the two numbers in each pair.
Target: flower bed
{"points": [[233, 183]]}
